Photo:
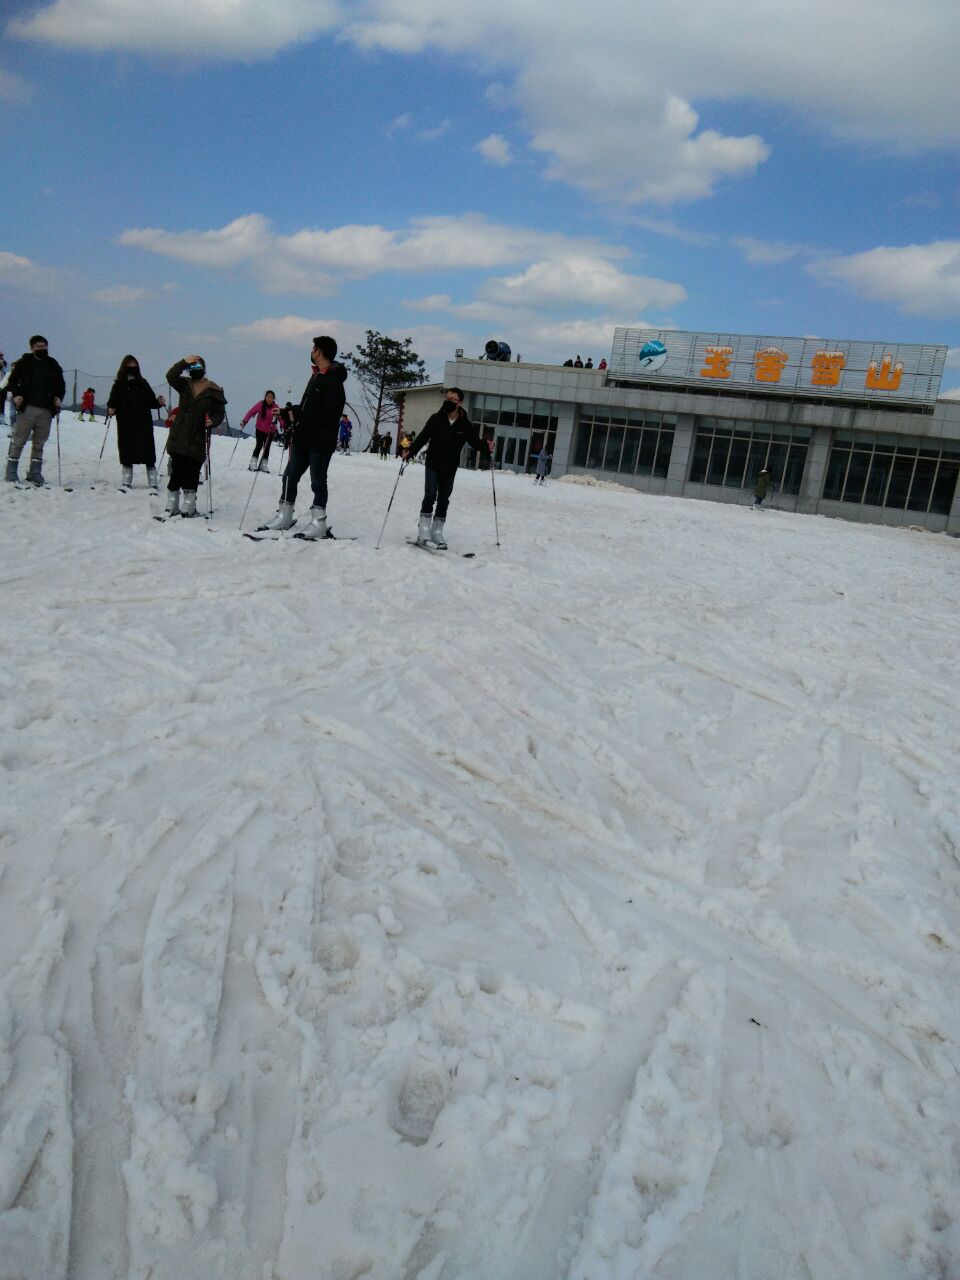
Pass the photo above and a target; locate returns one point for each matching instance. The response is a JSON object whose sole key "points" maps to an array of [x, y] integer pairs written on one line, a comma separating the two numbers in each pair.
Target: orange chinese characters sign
{"points": [[885, 378], [716, 363], [827, 367], [768, 364]]}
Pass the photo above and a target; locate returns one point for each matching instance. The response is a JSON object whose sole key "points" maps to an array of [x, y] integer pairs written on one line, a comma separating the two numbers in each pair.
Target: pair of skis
{"points": [[437, 551]]}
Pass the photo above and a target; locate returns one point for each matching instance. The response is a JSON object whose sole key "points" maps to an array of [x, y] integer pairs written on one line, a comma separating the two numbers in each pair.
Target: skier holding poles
{"points": [[445, 433], [202, 406], [37, 386], [314, 440]]}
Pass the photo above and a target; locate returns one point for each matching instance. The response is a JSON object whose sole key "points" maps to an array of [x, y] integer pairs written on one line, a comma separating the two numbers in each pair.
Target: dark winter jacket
{"points": [[760, 491], [39, 379], [199, 399], [320, 409], [445, 440], [133, 401]]}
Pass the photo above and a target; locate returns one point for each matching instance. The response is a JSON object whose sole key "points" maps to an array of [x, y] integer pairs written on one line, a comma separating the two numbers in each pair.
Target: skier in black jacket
{"points": [[37, 386], [132, 400], [444, 433], [314, 439]]}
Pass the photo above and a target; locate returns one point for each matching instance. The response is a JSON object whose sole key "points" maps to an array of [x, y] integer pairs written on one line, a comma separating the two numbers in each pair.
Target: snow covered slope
{"points": [[585, 910]]}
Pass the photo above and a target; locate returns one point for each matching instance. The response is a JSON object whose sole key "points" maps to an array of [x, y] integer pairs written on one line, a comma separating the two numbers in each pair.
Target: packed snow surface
{"points": [[585, 910]]}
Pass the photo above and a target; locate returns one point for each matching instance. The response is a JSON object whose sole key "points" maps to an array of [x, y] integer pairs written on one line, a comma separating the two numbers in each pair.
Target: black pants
{"points": [[184, 473], [438, 485], [301, 457], [264, 439]]}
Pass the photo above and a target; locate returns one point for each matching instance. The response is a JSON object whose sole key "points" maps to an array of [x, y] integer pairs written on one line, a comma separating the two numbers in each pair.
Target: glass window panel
{"points": [[944, 487], [477, 402], [899, 486], [664, 449], [611, 457], [706, 424], [701, 456], [598, 440], [635, 417], [521, 452], [843, 437], [540, 422], [510, 452], [718, 459], [669, 420], [743, 427], [950, 450], [856, 476], [507, 415], [648, 453], [553, 422], [930, 451], [836, 472], [523, 420], [618, 417], [724, 431], [498, 451], [756, 459], [631, 448], [793, 474], [802, 433], [922, 487], [777, 462], [583, 444], [542, 407], [880, 470], [736, 465], [524, 406]]}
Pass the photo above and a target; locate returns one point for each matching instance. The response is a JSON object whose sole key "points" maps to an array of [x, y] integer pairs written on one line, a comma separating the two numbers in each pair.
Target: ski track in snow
{"points": [[584, 910]]}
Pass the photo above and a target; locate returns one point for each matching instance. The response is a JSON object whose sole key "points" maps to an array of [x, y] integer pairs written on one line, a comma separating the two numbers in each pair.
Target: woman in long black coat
{"points": [[133, 401]]}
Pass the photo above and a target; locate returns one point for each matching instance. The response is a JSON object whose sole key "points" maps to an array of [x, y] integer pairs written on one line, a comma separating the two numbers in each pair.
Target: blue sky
{"points": [[235, 176]]}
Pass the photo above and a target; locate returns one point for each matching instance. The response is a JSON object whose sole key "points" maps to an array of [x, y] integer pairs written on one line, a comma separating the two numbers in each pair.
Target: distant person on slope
{"points": [[88, 402], [314, 439], [132, 401], [346, 433], [267, 414], [37, 386], [445, 433], [760, 491], [544, 460], [202, 406]]}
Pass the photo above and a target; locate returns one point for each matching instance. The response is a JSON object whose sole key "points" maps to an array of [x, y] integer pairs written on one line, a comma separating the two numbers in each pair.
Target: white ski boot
{"points": [[263, 466], [436, 534], [253, 465], [317, 527], [152, 480], [173, 502], [189, 508], [126, 477], [283, 519], [423, 531]]}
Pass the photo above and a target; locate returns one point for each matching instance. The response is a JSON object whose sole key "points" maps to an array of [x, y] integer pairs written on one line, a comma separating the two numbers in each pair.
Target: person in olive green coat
{"points": [[760, 492]]}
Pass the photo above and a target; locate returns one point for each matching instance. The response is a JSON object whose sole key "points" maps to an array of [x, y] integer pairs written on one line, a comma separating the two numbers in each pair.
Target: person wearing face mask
{"points": [[266, 413], [37, 386], [444, 433], [314, 440], [202, 406], [132, 401]]}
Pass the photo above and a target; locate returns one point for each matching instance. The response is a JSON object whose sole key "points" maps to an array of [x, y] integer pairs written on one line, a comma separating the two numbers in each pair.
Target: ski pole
{"points": [[96, 474], [390, 503], [59, 475], [496, 521], [250, 495], [209, 480], [239, 438]]}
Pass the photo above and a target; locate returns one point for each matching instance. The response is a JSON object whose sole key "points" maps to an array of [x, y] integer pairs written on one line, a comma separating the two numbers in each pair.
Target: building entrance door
{"points": [[510, 448]]}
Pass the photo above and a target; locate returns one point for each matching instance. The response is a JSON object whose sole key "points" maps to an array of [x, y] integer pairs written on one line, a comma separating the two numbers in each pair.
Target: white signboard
{"points": [[882, 371]]}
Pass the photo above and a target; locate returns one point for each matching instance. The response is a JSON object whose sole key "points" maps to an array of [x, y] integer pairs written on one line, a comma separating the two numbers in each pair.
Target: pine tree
{"points": [[381, 367]]}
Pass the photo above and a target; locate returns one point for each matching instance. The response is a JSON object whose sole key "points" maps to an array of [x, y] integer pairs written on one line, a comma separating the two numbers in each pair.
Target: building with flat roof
{"points": [[846, 429]]}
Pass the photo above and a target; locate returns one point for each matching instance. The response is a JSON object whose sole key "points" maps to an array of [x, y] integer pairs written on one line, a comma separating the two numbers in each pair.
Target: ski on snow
{"points": [[438, 551]]}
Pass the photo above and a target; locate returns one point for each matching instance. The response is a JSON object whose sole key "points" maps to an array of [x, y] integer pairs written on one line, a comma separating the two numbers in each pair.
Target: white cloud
{"points": [[581, 280], [953, 357], [495, 149], [953, 393], [434, 302], [27, 276], [122, 294], [244, 29], [922, 279], [399, 123], [435, 132], [765, 252], [295, 331], [312, 258]]}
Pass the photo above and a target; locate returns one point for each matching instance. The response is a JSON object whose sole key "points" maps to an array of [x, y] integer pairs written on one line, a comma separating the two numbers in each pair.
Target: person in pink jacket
{"points": [[266, 412]]}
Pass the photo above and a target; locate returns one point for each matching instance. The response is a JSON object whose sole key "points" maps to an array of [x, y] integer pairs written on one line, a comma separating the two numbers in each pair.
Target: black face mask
{"points": [[41, 355], [450, 406], [196, 371], [130, 371]]}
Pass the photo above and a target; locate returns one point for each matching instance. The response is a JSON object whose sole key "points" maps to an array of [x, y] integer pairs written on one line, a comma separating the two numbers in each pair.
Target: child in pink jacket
{"points": [[266, 412]]}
